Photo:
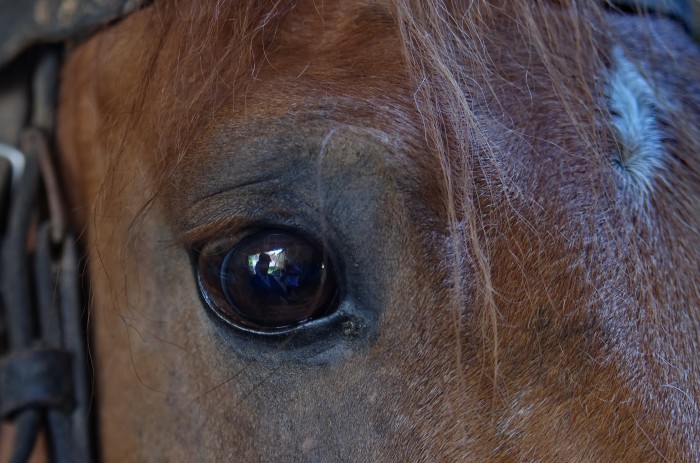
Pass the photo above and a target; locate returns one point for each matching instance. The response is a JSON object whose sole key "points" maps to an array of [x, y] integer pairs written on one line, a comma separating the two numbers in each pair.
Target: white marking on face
{"points": [[633, 106]]}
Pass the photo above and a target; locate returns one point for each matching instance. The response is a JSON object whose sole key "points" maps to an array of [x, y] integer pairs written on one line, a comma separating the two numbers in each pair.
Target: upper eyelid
{"points": [[197, 236], [199, 232], [210, 218], [229, 213]]}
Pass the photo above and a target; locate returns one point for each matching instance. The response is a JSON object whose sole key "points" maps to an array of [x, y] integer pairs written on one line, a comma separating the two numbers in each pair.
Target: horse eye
{"points": [[270, 281]]}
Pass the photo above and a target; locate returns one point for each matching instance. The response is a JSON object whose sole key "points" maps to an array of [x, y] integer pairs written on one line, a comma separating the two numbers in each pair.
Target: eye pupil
{"points": [[271, 280]]}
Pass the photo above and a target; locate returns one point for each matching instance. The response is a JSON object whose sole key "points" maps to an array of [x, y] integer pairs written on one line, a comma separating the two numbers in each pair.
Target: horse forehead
{"points": [[343, 41], [341, 65]]}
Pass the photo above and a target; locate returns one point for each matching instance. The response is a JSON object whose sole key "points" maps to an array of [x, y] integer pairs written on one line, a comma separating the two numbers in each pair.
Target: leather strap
{"points": [[39, 378], [44, 377]]}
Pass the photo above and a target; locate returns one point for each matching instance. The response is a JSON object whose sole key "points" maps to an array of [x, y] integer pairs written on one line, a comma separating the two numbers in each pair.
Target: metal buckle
{"points": [[16, 160]]}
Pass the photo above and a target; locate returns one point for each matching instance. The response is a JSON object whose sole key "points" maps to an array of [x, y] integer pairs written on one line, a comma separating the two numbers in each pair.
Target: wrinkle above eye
{"points": [[230, 213]]}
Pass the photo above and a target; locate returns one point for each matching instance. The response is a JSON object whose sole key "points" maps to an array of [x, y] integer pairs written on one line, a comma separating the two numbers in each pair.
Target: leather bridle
{"points": [[44, 381]]}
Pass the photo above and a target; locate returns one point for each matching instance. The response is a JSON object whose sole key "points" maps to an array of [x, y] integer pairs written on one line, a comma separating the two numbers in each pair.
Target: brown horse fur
{"points": [[535, 276]]}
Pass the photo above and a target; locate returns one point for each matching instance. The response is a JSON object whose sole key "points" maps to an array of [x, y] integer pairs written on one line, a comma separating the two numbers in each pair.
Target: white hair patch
{"points": [[633, 107]]}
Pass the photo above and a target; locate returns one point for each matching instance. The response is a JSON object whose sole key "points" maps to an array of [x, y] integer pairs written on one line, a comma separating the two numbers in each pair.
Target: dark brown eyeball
{"points": [[273, 280]]}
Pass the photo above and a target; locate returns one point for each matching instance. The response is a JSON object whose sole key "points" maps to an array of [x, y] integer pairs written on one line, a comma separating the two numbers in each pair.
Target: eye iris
{"points": [[271, 280]]}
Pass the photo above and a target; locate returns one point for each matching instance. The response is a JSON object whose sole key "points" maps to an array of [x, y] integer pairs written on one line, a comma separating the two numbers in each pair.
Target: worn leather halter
{"points": [[43, 372]]}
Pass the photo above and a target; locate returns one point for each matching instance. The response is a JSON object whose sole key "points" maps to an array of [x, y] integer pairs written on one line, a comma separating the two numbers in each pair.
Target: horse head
{"points": [[389, 231]]}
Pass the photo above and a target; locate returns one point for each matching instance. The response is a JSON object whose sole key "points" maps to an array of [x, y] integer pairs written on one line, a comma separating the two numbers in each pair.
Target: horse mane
{"points": [[450, 49]]}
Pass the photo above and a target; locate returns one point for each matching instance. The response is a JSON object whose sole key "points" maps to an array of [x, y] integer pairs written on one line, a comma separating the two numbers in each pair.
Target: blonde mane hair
{"points": [[450, 49]]}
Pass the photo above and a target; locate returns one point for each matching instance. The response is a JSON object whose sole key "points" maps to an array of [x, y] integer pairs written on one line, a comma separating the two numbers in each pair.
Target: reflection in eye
{"points": [[274, 257], [271, 280]]}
